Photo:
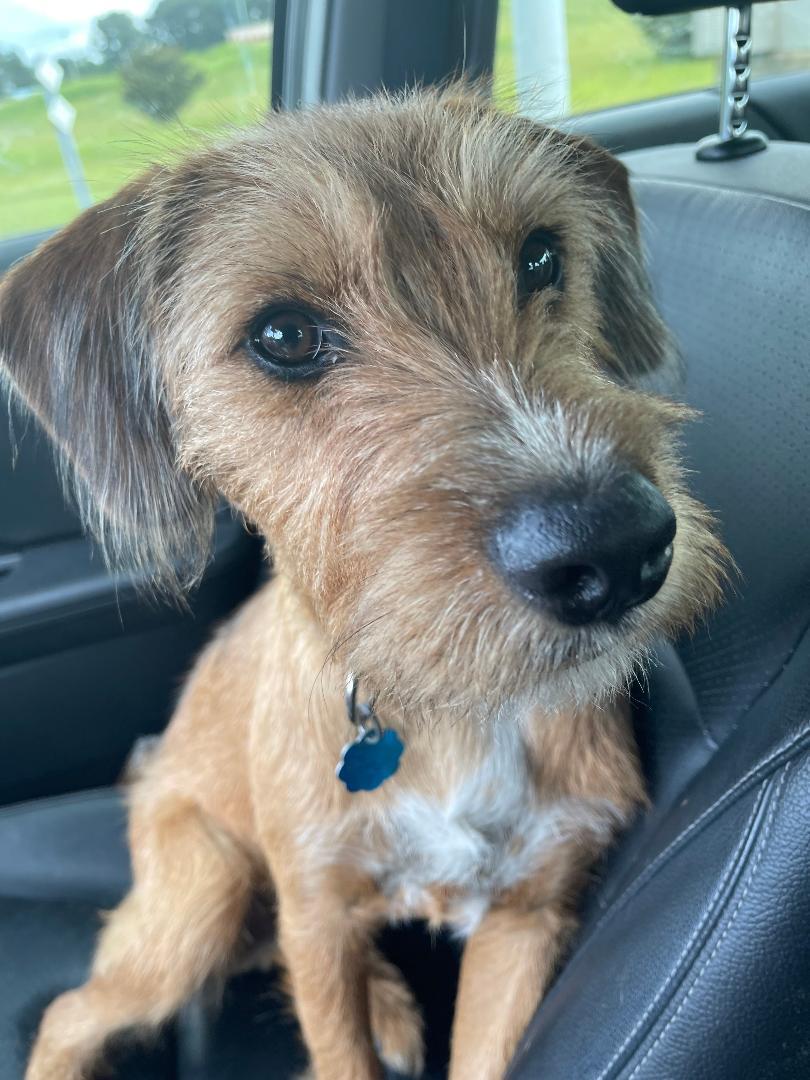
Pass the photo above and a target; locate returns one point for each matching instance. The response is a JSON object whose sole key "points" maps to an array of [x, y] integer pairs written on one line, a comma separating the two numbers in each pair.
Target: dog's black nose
{"points": [[591, 556]]}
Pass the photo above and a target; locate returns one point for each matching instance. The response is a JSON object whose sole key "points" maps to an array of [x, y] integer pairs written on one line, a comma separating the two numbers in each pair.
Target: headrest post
{"points": [[734, 139]]}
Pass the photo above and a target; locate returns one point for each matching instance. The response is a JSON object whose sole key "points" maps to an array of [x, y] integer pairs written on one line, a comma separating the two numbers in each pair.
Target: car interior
{"points": [[692, 960]]}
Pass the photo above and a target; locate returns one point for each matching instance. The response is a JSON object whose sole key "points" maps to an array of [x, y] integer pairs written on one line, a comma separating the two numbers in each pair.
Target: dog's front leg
{"points": [[326, 950], [506, 966]]}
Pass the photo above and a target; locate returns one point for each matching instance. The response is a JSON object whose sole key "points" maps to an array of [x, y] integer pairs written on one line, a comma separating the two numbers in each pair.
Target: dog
{"points": [[411, 339]]}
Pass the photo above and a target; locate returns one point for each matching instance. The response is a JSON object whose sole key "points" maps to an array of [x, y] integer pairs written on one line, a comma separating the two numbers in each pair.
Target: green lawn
{"points": [[612, 61], [115, 140]]}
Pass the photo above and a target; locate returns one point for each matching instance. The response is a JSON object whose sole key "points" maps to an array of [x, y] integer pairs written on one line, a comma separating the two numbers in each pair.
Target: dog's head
{"points": [[406, 339]]}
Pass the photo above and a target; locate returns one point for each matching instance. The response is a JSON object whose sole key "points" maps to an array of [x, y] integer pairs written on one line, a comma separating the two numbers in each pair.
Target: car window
{"points": [[563, 57], [89, 95]]}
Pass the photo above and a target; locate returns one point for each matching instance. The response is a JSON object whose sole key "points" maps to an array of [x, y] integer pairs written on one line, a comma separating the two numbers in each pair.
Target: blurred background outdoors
{"points": [[90, 94]]}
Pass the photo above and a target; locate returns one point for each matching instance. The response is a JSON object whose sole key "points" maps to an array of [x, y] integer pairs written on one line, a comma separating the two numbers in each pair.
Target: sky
{"points": [[48, 27], [79, 10]]}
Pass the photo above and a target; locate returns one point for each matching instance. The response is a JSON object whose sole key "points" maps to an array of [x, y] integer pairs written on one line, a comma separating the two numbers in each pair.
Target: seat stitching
{"points": [[637, 883], [730, 867], [775, 675], [751, 875]]}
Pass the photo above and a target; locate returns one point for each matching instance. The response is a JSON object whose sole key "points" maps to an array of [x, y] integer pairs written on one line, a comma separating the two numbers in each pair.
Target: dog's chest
{"points": [[446, 856]]}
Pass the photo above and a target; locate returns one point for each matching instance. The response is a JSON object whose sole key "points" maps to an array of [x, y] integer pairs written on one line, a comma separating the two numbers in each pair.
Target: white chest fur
{"points": [[477, 836]]}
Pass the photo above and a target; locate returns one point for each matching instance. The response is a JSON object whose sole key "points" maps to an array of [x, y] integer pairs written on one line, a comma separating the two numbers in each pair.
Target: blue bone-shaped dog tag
{"points": [[369, 760]]}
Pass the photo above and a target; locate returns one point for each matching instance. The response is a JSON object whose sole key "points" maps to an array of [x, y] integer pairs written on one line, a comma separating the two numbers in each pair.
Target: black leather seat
{"points": [[694, 958]]}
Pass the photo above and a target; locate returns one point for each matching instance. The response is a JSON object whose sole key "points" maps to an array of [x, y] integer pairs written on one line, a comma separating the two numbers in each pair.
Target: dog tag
{"points": [[374, 755], [369, 760]]}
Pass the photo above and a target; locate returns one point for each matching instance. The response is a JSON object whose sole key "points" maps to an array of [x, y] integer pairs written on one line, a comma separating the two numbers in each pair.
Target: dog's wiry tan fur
{"points": [[375, 485]]}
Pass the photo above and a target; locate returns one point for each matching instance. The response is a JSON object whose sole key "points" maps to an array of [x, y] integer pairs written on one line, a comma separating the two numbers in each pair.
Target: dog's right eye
{"points": [[539, 264], [292, 343]]}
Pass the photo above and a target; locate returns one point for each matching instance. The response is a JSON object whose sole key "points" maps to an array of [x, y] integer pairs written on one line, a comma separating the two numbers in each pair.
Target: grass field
{"points": [[612, 61], [115, 140]]}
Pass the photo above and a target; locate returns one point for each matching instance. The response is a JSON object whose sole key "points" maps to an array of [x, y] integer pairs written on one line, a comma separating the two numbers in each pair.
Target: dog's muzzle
{"points": [[587, 556]]}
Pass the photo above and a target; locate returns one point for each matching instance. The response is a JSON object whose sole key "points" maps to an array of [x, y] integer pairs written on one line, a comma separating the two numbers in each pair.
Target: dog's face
{"points": [[405, 339]]}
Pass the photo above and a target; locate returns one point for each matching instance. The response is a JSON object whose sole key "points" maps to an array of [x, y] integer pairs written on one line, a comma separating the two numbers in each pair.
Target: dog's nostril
{"points": [[658, 561], [575, 583], [576, 592], [589, 557], [569, 579]]}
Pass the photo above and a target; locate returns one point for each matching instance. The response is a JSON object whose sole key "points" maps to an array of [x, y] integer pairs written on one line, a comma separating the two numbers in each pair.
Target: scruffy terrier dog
{"points": [[407, 338]]}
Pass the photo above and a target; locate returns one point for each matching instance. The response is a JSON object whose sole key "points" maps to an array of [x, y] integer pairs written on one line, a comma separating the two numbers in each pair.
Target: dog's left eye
{"points": [[292, 343], [539, 264]]}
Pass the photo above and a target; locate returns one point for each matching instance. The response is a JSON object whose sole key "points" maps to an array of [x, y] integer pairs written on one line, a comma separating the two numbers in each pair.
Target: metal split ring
{"points": [[361, 715]]}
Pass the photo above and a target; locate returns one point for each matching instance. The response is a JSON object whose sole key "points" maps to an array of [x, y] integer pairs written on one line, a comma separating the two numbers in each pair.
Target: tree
{"points": [[670, 35], [76, 66], [117, 38], [14, 74], [189, 24], [256, 10], [159, 82]]}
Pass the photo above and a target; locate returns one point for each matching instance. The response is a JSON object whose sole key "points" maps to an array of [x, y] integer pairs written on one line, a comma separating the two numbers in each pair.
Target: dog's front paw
{"points": [[396, 1024], [56, 1063], [65, 1048], [54, 1060]]}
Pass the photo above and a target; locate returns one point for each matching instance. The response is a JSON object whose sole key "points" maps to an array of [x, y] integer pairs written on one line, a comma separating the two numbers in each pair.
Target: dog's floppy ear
{"points": [[78, 347], [637, 345]]}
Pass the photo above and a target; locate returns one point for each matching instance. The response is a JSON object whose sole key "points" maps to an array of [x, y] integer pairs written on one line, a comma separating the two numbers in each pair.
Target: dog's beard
{"points": [[596, 674], [476, 665]]}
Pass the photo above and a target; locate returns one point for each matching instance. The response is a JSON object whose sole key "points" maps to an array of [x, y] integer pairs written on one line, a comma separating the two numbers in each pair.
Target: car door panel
{"points": [[87, 665]]}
